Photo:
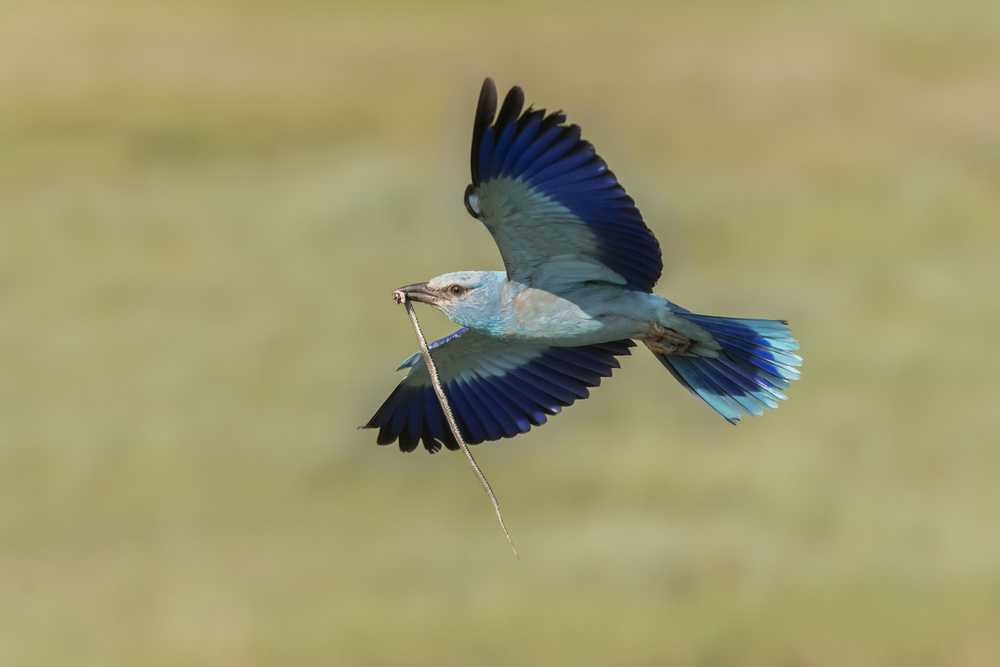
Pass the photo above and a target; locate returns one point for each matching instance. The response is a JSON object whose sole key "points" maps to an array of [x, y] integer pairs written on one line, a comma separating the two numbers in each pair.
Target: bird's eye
{"points": [[457, 290]]}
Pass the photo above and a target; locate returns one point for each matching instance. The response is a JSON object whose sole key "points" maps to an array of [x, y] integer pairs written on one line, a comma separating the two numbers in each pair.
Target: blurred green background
{"points": [[204, 208]]}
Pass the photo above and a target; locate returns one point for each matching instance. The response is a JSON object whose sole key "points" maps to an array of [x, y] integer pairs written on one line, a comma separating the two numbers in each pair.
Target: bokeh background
{"points": [[204, 208]]}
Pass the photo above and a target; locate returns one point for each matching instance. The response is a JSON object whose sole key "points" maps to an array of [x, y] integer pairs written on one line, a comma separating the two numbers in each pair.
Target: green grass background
{"points": [[204, 208]]}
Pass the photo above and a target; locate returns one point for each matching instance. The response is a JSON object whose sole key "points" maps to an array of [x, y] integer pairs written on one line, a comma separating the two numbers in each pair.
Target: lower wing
{"points": [[496, 388]]}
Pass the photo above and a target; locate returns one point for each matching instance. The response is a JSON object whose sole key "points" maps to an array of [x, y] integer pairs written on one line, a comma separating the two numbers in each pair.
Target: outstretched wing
{"points": [[556, 211], [496, 389]]}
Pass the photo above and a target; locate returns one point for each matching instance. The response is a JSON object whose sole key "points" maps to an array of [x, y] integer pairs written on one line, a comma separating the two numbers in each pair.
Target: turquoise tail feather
{"points": [[756, 362]]}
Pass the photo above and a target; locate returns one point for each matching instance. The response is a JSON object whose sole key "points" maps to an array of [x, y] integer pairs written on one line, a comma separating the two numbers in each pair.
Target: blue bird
{"points": [[577, 291]]}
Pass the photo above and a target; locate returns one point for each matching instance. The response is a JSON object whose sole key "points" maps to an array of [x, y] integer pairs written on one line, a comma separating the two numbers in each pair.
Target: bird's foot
{"points": [[667, 341]]}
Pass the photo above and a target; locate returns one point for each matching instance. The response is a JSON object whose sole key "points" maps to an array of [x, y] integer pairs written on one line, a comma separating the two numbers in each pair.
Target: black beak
{"points": [[419, 292]]}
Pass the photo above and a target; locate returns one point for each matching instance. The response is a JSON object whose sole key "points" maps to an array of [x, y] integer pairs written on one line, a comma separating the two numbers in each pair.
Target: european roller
{"points": [[576, 293]]}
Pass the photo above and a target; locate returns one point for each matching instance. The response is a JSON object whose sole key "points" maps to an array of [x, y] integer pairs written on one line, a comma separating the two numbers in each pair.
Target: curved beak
{"points": [[419, 292]]}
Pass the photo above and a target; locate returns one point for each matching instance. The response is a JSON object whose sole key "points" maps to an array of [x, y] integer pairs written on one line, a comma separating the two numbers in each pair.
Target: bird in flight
{"points": [[577, 291]]}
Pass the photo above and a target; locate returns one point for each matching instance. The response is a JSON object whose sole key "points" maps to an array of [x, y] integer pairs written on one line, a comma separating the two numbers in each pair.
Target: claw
{"points": [[668, 341]]}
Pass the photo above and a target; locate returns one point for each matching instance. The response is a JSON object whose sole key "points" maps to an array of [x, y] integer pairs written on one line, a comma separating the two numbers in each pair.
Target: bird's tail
{"points": [[747, 374]]}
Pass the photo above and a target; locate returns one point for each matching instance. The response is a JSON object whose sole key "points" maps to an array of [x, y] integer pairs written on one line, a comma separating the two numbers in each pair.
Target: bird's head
{"points": [[469, 298]]}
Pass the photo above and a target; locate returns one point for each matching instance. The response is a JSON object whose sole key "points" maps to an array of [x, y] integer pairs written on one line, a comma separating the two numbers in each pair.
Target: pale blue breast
{"points": [[583, 316]]}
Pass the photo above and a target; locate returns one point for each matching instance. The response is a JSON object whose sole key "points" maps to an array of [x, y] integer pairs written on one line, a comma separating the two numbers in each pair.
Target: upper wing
{"points": [[556, 211], [496, 389]]}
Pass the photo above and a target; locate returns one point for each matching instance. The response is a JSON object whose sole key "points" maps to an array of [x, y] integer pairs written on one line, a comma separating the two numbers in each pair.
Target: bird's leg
{"points": [[667, 341]]}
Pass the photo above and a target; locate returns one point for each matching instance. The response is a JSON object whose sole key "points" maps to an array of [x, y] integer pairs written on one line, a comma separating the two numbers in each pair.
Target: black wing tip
{"points": [[487, 107], [407, 443], [513, 103], [485, 111], [489, 89]]}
